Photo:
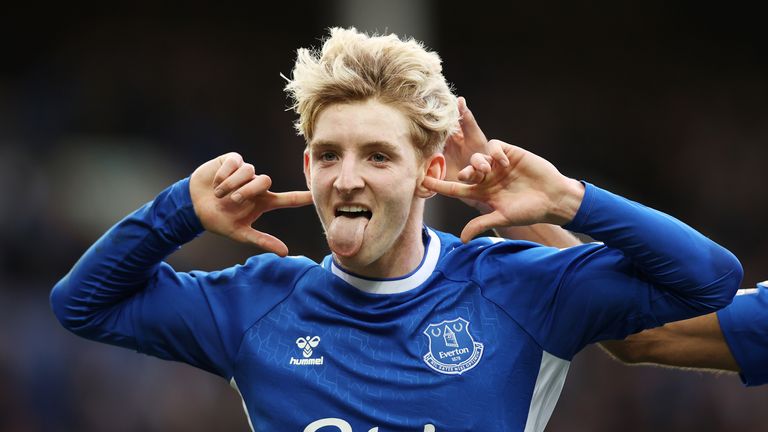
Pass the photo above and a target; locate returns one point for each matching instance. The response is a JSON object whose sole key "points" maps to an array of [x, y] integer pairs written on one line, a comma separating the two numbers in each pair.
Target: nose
{"points": [[349, 178]]}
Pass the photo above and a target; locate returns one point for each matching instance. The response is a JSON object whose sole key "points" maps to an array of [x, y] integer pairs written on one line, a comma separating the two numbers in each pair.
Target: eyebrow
{"points": [[371, 145]]}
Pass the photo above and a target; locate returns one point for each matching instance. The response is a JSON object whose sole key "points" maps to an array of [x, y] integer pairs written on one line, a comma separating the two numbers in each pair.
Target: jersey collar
{"points": [[396, 285]]}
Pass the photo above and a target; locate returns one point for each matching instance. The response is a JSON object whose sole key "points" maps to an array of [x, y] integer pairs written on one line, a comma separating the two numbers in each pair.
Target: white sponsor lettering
{"points": [[344, 426]]}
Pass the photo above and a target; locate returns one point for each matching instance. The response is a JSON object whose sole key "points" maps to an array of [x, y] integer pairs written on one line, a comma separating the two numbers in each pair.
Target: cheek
{"points": [[320, 179], [399, 194], [400, 178], [320, 191]]}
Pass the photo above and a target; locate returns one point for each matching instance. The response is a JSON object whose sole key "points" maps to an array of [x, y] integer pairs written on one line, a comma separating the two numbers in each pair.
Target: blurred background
{"points": [[663, 102]]}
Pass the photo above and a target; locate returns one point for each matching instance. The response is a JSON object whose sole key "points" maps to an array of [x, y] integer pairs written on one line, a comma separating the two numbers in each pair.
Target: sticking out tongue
{"points": [[345, 234]]}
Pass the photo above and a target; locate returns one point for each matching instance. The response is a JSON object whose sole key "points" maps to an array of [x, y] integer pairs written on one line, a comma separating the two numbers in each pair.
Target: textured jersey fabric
{"points": [[477, 338]]}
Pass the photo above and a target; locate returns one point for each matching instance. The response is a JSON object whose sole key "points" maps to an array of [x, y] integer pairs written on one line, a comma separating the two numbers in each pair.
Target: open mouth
{"points": [[346, 232], [353, 212]]}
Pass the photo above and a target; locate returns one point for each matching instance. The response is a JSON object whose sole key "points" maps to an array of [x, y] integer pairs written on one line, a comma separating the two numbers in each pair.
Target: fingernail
{"points": [[219, 192], [236, 197]]}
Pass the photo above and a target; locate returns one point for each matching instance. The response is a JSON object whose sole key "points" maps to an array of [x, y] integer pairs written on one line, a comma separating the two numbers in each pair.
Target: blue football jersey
{"points": [[745, 326], [477, 338]]}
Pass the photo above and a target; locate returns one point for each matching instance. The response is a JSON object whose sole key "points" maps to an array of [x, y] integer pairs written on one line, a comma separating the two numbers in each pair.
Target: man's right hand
{"points": [[228, 197]]}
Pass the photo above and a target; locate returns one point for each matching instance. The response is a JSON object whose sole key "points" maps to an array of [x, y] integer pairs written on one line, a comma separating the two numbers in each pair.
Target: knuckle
{"points": [[232, 160]]}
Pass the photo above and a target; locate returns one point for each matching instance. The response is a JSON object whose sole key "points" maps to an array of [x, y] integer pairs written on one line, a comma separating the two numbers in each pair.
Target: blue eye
{"points": [[327, 157], [379, 158]]}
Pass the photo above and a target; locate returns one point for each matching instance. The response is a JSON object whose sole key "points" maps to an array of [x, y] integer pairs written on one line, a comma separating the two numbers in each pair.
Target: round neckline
{"points": [[397, 285]]}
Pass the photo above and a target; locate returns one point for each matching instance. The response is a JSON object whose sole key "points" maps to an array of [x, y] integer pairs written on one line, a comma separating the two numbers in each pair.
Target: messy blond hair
{"points": [[355, 67]]}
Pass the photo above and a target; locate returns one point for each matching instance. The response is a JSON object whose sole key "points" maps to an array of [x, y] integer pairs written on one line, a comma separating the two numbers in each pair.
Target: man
{"points": [[401, 327], [734, 339]]}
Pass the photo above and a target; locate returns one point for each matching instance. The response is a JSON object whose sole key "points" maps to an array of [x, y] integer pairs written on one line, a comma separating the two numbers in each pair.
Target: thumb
{"points": [[261, 240], [481, 224]]}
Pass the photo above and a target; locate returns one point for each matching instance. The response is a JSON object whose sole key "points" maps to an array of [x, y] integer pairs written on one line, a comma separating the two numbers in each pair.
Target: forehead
{"points": [[362, 122]]}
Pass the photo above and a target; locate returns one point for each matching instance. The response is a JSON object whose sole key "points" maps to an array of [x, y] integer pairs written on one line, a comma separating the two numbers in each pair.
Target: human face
{"points": [[365, 176]]}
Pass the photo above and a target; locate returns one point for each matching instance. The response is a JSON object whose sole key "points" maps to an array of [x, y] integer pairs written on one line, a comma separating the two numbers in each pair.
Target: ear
{"points": [[434, 167], [307, 169]]}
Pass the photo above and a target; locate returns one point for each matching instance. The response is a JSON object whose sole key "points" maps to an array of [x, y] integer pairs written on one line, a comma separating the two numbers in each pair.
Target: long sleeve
{"points": [[670, 252], [650, 269], [123, 262], [122, 293]]}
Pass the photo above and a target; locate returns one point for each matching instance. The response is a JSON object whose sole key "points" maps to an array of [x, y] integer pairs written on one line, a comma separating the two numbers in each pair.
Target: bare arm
{"points": [[692, 343]]}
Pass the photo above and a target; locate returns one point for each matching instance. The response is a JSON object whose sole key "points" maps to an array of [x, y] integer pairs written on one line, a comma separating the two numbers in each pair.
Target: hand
{"points": [[466, 146], [528, 190], [229, 197]]}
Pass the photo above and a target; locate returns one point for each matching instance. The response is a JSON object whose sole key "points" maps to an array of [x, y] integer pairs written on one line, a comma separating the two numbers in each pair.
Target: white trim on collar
{"points": [[395, 286]]}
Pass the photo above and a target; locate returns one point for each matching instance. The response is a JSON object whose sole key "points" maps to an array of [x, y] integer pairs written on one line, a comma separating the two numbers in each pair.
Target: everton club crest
{"points": [[452, 350]]}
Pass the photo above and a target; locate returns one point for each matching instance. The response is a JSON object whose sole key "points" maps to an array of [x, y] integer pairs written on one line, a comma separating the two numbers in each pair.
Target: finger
{"points": [[228, 164], [245, 173], [496, 150], [447, 188], [262, 240], [481, 224], [290, 199], [455, 138], [470, 175], [256, 186], [470, 128], [481, 162]]}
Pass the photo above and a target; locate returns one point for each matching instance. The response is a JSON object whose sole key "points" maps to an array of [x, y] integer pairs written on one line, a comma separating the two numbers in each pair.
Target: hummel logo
{"points": [[306, 345]]}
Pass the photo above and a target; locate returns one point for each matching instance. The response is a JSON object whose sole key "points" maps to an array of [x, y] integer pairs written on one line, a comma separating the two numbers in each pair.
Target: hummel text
{"points": [[306, 361]]}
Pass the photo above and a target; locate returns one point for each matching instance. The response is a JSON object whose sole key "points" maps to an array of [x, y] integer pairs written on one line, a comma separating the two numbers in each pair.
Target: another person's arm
{"points": [[693, 343], [733, 339]]}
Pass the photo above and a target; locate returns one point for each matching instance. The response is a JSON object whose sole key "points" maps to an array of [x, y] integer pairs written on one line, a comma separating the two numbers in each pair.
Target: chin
{"points": [[354, 262]]}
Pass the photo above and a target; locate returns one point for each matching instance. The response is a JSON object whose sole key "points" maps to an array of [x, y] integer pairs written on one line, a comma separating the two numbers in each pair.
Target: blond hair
{"points": [[354, 66]]}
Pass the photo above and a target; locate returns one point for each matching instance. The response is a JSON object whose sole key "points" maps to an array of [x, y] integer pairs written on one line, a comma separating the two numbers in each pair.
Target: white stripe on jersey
{"points": [[394, 286], [248, 416], [499, 240], [549, 384], [746, 291]]}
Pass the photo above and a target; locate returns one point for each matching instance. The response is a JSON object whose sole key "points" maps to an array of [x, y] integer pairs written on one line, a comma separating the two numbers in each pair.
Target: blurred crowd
{"points": [[99, 112]]}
